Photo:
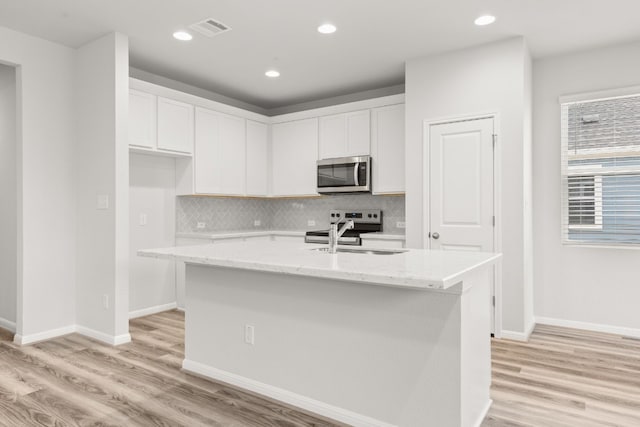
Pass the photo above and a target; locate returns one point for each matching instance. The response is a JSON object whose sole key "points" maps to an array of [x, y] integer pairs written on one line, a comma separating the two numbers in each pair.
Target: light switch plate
{"points": [[201, 225], [257, 223], [311, 223], [143, 219], [401, 224]]}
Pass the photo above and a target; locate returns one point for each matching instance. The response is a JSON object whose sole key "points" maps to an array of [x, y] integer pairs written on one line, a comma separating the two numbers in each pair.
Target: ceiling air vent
{"points": [[210, 27]]}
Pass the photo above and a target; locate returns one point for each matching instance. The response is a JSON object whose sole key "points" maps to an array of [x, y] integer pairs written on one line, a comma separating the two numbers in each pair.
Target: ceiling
{"points": [[368, 51]]}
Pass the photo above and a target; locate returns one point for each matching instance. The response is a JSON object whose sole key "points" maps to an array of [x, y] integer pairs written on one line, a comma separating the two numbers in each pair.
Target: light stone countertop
{"points": [[239, 233], [382, 236], [294, 233], [411, 269]]}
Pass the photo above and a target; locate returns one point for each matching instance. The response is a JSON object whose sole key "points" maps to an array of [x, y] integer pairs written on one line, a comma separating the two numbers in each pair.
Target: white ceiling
{"points": [[373, 41]]}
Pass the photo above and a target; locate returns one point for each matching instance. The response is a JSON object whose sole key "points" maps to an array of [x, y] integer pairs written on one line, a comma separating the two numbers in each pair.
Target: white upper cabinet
{"points": [[175, 126], [345, 135], [142, 119], [387, 149], [257, 158], [220, 155], [294, 156]]}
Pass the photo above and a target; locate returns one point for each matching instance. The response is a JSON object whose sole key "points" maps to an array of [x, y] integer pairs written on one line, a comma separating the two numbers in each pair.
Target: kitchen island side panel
{"points": [[393, 355]]}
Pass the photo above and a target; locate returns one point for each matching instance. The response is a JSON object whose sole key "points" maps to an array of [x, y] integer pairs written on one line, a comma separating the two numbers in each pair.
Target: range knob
{"points": [[375, 215]]}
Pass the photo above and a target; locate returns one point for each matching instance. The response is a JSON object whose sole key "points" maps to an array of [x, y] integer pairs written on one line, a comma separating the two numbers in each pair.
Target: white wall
{"points": [[8, 196], [599, 287], [152, 192], [45, 197], [102, 165], [488, 78]]}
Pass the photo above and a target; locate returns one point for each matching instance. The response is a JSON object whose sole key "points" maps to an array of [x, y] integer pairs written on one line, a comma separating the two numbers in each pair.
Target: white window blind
{"points": [[601, 171]]}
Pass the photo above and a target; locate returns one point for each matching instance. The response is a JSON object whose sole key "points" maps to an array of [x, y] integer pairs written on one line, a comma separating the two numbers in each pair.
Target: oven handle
{"points": [[355, 174]]}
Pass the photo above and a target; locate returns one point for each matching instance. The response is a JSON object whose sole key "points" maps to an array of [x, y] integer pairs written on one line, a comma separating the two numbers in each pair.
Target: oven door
{"points": [[344, 175]]}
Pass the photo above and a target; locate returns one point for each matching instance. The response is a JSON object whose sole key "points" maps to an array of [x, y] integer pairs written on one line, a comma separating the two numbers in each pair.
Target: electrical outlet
{"points": [[143, 219], [257, 223], [400, 224], [249, 334], [105, 301], [311, 223], [103, 202], [201, 225]]}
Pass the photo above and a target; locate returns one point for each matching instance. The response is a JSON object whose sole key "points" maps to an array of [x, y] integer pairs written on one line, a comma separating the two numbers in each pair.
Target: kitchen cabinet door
{"points": [[142, 119], [257, 158], [387, 149], [175, 126], [345, 135], [220, 162], [294, 156]]}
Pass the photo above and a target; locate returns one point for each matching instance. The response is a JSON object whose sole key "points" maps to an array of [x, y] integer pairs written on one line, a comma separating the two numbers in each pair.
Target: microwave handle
{"points": [[355, 174]]}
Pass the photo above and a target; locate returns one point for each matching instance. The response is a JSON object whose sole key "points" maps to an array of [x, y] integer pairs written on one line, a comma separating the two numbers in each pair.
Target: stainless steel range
{"points": [[364, 221]]}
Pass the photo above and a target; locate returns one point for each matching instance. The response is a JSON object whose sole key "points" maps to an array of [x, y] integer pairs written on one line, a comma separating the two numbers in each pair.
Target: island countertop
{"points": [[411, 269]]}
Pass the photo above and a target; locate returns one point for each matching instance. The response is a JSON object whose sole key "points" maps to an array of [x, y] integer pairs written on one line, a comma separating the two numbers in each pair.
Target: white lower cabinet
{"points": [[294, 155]]}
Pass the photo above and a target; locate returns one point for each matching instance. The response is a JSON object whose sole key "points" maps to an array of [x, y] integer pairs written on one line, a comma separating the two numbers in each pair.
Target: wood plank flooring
{"points": [[75, 381], [562, 377], [565, 377]]}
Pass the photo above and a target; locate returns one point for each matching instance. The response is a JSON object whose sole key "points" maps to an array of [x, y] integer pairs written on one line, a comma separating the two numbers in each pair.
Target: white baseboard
{"points": [[152, 310], [42, 336], [518, 336], [55, 333], [300, 401], [101, 336], [595, 327], [8, 325], [484, 413]]}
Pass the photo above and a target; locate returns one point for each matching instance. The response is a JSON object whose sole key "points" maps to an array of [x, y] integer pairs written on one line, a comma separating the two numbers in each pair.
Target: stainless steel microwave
{"points": [[344, 175]]}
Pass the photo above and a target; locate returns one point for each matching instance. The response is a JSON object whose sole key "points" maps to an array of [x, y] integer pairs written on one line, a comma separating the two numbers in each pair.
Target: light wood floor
{"points": [[562, 377], [566, 377]]}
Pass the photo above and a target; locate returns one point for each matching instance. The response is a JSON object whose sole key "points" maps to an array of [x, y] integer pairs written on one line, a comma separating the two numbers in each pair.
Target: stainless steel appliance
{"points": [[364, 221], [344, 175]]}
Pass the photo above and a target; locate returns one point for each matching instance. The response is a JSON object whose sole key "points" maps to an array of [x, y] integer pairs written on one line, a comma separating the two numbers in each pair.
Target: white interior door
{"points": [[461, 187]]}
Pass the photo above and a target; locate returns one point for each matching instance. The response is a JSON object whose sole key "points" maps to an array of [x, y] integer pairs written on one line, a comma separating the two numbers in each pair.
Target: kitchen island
{"points": [[368, 339]]}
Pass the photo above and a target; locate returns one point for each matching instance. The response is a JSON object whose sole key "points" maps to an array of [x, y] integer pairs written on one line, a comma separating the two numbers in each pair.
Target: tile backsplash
{"points": [[227, 214]]}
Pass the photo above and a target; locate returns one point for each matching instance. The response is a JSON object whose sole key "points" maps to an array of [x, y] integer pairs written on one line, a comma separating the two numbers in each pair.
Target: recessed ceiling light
{"points": [[327, 29], [485, 20], [182, 36], [272, 73]]}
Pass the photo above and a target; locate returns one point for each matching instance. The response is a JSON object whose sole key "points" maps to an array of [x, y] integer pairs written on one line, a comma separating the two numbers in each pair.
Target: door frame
{"points": [[427, 124]]}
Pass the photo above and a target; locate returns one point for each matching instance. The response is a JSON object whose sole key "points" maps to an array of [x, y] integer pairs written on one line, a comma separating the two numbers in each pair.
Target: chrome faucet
{"points": [[335, 234]]}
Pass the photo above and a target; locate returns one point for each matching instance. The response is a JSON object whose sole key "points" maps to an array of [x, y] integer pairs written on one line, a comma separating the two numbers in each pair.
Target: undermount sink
{"points": [[364, 251]]}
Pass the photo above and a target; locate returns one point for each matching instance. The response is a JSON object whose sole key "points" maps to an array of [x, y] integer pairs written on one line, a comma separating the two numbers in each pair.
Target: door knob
{"points": [[435, 235]]}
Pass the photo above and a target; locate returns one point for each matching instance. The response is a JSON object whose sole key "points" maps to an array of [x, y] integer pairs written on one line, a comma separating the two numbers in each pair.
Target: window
{"points": [[585, 202], [601, 171]]}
